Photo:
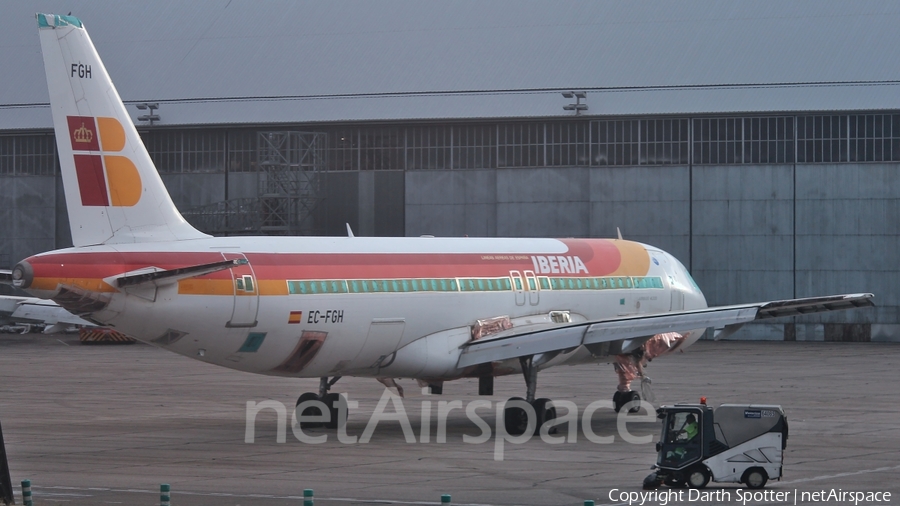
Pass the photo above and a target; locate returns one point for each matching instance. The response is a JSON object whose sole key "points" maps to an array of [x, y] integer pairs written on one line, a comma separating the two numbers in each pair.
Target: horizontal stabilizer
{"points": [[46, 312], [159, 278], [515, 343]]}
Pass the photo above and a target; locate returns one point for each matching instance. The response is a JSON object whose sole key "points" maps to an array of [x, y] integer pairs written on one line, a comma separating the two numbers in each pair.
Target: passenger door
{"points": [[518, 286]]}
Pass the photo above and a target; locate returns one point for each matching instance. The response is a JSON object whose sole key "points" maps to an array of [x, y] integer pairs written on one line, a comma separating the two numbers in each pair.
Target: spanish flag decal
{"points": [[103, 179], [295, 317]]}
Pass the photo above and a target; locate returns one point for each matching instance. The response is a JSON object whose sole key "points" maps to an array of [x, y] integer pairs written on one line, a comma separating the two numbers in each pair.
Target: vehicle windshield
{"points": [[680, 439]]}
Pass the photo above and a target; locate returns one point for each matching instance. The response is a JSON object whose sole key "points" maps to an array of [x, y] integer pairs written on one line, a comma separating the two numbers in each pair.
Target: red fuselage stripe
{"points": [[603, 258]]}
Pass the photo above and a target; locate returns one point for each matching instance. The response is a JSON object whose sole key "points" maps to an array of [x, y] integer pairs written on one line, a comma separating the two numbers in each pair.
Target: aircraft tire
{"points": [[617, 401], [309, 411], [515, 419], [334, 402], [545, 411], [635, 397]]}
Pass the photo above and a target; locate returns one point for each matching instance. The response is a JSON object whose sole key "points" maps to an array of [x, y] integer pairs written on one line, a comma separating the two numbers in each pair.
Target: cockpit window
{"points": [[683, 273]]}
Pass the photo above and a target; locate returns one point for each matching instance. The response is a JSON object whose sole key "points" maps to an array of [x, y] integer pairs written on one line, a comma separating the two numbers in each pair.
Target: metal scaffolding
{"points": [[288, 166]]}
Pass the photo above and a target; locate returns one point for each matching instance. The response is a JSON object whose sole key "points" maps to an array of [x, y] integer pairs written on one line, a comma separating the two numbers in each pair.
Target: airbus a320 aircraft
{"points": [[431, 309]]}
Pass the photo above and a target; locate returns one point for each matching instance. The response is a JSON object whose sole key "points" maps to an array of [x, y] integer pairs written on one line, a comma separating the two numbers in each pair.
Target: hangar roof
{"points": [[286, 61]]}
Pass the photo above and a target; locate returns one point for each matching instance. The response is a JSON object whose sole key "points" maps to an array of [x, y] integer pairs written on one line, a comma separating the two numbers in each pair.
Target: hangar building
{"points": [[757, 142]]}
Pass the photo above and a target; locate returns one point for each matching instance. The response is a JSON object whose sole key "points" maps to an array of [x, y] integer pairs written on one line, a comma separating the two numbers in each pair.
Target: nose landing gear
{"points": [[630, 398]]}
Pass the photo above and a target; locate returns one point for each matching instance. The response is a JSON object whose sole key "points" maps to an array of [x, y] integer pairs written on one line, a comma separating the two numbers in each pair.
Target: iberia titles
{"points": [[558, 264]]}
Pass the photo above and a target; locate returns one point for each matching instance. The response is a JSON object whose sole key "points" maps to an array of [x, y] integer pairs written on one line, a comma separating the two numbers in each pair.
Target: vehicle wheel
{"points": [[334, 402], [634, 397], [697, 477], [755, 477], [309, 410], [515, 418], [545, 411]]}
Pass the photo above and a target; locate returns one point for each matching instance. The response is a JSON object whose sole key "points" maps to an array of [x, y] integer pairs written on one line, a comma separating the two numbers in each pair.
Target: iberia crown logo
{"points": [[83, 135], [104, 179]]}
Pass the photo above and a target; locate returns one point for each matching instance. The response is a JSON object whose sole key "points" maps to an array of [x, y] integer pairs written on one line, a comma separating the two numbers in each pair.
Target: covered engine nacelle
{"points": [[433, 356]]}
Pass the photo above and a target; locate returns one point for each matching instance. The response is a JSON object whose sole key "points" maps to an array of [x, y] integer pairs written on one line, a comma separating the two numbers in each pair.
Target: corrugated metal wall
{"points": [[744, 231], [747, 232]]}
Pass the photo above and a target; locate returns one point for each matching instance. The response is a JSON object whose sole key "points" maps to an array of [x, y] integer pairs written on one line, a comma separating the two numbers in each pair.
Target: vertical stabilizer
{"points": [[113, 192]]}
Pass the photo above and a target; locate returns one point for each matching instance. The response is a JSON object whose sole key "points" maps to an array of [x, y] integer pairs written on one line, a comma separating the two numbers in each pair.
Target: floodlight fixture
{"points": [[151, 117], [577, 106]]}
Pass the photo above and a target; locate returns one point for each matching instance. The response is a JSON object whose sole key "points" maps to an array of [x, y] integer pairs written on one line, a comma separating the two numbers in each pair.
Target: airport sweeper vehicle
{"points": [[735, 443]]}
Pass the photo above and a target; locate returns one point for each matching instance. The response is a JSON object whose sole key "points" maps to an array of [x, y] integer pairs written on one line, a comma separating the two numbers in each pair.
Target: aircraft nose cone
{"points": [[22, 275]]}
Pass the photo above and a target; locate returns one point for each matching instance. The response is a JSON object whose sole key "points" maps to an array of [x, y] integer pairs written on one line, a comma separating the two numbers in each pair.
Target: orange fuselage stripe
{"points": [[226, 287], [89, 284]]}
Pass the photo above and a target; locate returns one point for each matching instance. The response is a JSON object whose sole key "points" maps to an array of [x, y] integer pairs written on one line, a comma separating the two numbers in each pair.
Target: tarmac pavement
{"points": [[107, 424]]}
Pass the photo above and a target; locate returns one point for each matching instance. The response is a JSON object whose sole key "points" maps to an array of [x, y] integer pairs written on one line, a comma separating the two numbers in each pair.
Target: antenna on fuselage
{"points": [[619, 233], [349, 231]]}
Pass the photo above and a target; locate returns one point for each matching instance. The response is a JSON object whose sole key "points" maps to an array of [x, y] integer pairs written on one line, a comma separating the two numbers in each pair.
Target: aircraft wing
{"points": [[5, 277], [628, 333]]}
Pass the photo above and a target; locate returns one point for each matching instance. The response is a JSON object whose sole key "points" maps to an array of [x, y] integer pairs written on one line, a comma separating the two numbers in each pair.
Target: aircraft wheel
{"points": [[697, 477], [620, 399], [545, 411], [515, 418], [634, 397], [334, 403], [617, 400], [755, 477], [309, 410]]}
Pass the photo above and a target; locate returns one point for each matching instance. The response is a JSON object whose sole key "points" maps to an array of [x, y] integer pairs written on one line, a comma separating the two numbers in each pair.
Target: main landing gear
{"points": [[518, 411], [332, 402]]}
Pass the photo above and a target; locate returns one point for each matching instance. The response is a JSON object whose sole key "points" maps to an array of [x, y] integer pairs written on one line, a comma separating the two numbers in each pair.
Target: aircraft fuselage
{"points": [[380, 307]]}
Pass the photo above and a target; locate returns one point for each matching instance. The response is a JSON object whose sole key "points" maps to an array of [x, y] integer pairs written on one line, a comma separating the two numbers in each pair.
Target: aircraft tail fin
{"points": [[113, 191]]}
